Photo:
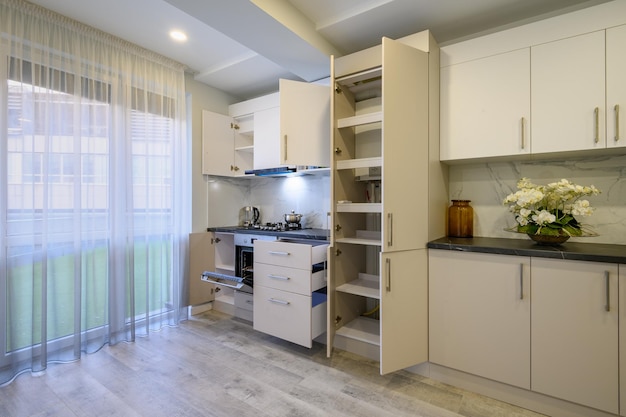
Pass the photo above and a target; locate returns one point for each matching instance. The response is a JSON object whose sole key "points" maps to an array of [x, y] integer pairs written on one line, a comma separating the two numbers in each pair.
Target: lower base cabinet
{"points": [[479, 314], [547, 325], [575, 332], [289, 299]]}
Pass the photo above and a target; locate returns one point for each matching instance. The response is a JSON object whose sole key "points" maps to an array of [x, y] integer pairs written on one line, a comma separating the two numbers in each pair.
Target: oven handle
{"points": [[222, 280]]}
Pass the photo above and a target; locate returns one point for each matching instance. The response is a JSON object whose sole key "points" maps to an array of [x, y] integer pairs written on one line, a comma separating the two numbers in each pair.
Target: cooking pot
{"points": [[293, 217]]}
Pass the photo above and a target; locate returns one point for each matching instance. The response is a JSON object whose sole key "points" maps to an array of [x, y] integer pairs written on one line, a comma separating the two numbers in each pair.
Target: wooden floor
{"points": [[215, 365]]}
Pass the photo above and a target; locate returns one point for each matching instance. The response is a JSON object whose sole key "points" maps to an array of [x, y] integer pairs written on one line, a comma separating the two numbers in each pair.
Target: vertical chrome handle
{"points": [[521, 281], [523, 132], [607, 283], [390, 232], [596, 113], [388, 280], [616, 108], [285, 139]]}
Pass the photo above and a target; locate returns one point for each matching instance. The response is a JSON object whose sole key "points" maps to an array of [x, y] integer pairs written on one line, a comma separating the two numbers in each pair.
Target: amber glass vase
{"points": [[460, 219]]}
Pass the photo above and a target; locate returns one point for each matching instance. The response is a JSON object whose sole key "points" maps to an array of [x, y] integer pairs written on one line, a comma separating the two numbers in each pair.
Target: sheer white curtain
{"points": [[94, 186]]}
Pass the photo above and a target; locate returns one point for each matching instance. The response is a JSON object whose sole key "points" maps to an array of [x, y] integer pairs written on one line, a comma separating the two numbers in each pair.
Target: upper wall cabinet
{"points": [[616, 86], [227, 144], [297, 132], [485, 107], [568, 94], [549, 88]]}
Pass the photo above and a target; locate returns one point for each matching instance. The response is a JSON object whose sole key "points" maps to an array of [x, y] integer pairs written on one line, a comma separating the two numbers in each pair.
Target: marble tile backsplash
{"points": [[307, 195], [487, 184]]}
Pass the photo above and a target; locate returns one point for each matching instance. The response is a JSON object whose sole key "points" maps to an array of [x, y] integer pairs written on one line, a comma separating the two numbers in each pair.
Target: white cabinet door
{"points": [[304, 123], [485, 107], [480, 314], [266, 143], [615, 87], [217, 144], [568, 94], [574, 333]]}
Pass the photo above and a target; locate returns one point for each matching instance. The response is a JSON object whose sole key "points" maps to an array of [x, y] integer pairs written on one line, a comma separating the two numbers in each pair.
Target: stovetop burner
{"points": [[280, 227]]}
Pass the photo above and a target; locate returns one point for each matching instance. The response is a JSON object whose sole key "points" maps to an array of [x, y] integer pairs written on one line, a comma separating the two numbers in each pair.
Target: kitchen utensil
{"points": [[250, 216], [293, 217]]}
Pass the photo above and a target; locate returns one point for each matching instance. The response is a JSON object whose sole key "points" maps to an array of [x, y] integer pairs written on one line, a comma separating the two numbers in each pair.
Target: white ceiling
{"points": [[244, 46]]}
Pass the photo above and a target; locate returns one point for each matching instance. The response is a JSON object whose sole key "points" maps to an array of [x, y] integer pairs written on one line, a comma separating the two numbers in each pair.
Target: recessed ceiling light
{"points": [[177, 35]]}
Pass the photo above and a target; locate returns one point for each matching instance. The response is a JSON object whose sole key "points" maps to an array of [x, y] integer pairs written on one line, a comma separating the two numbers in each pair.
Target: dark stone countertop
{"points": [[594, 252], [312, 234]]}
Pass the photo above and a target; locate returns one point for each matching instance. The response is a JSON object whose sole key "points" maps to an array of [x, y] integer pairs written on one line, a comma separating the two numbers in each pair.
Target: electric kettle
{"points": [[250, 216]]}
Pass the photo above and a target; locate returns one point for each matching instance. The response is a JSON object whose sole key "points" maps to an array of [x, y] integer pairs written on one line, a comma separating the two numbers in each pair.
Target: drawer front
{"points": [[282, 278], [283, 314], [292, 255]]}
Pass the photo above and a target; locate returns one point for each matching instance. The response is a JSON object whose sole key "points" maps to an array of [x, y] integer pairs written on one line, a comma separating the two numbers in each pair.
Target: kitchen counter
{"points": [[313, 234], [594, 252]]}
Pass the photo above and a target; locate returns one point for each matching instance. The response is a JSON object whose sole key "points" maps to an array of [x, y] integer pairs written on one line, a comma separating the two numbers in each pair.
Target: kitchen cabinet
{"points": [[297, 131], [289, 301], [622, 338], [208, 251], [574, 332], [380, 202], [568, 94], [615, 86], [479, 314], [227, 144], [485, 107]]}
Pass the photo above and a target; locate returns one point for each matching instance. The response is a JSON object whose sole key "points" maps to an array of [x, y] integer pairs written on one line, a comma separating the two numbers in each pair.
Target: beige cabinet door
{"points": [[615, 87], [568, 94], [479, 317], [404, 141], [217, 144], [403, 310], [201, 258], [304, 123], [622, 338], [574, 334], [485, 107]]}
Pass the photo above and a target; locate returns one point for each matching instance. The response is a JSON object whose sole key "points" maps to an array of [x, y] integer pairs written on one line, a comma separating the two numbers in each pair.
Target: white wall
{"points": [[207, 98], [487, 184]]}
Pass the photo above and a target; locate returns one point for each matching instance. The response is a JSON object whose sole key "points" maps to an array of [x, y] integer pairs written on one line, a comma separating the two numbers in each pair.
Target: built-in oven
{"points": [[244, 258]]}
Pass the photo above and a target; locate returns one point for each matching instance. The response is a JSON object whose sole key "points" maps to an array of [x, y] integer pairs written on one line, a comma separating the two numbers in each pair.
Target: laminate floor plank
{"points": [[217, 365]]}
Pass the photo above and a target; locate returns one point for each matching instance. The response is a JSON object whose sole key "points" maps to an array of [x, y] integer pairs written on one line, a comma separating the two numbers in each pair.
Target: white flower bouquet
{"points": [[550, 209]]}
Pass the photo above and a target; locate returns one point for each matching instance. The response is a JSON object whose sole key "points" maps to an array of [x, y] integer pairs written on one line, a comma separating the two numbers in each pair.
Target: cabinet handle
{"points": [[277, 301], [278, 277], [285, 139], [523, 132], [390, 233], [388, 267], [616, 108], [596, 113], [521, 281], [279, 253], [607, 306]]}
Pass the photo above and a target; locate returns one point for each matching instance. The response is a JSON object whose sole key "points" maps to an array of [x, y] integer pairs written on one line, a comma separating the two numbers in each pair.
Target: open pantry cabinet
{"points": [[383, 118]]}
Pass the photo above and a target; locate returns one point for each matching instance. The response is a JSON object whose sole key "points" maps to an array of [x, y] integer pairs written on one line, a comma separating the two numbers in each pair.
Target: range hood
{"points": [[285, 171]]}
